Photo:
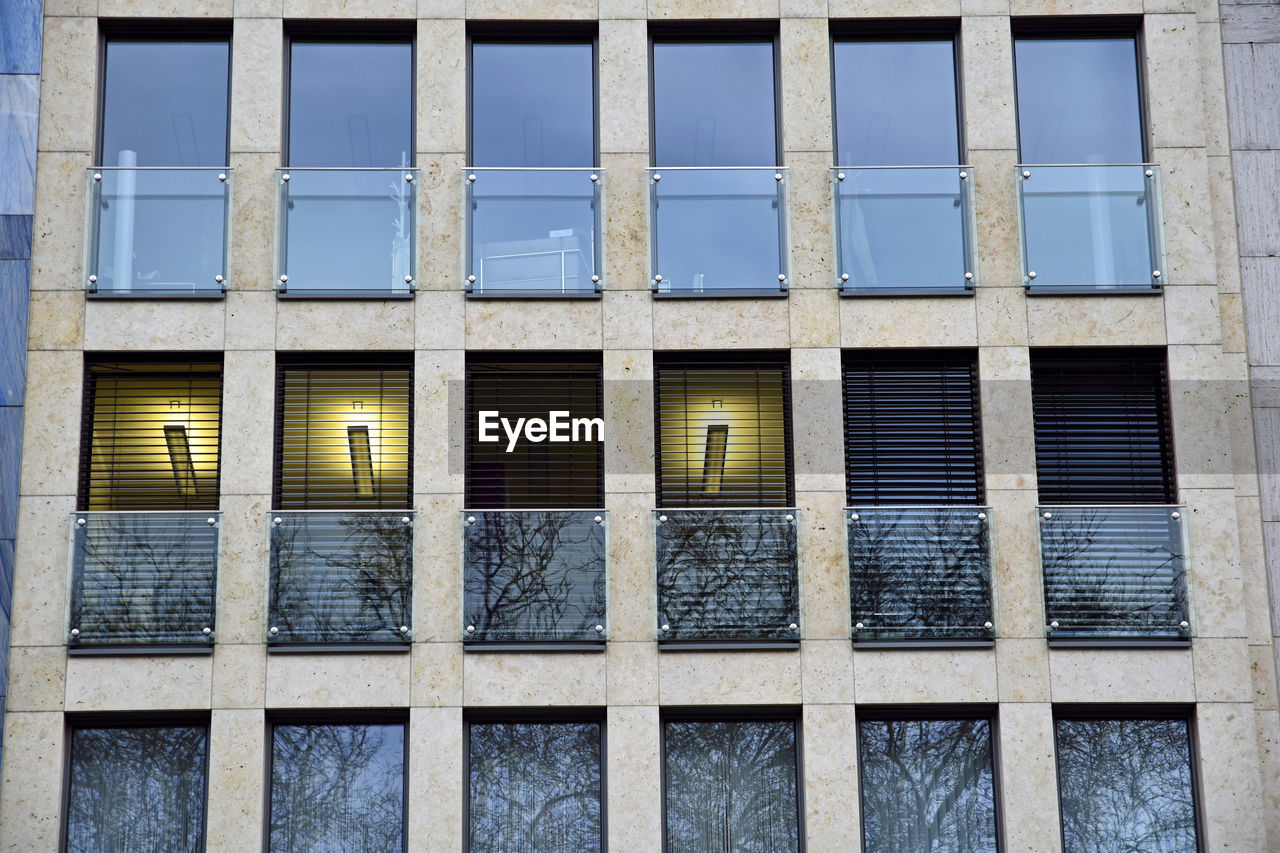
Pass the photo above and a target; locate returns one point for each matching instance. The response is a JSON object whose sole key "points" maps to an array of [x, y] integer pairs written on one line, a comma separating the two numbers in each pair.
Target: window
{"points": [[534, 784], [341, 533], [731, 784], [337, 786], [919, 557], [1090, 203], [717, 190], [347, 188], [145, 539], [1126, 783], [1112, 545], [534, 537], [534, 188], [725, 528], [903, 202], [137, 787], [158, 198], [927, 784]]}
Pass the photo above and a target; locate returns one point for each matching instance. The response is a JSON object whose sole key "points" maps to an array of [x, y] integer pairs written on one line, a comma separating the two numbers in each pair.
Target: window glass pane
{"points": [[927, 785], [351, 104], [532, 105], [1078, 100], [731, 786], [534, 786], [1126, 785], [896, 103], [713, 104], [165, 104], [337, 788], [137, 788]]}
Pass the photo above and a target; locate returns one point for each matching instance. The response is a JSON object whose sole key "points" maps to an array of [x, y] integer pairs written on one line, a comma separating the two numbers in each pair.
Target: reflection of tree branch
{"points": [[727, 574], [920, 572], [534, 575], [339, 577]]}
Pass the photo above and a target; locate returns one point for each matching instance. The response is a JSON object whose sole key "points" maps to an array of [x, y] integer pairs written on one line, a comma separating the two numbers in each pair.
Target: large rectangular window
{"points": [[919, 546], [904, 203], [717, 190], [346, 191], [136, 787], [534, 191], [158, 196], [337, 786], [1126, 783], [927, 783], [1112, 542], [534, 784], [731, 784], [1090, 202]]}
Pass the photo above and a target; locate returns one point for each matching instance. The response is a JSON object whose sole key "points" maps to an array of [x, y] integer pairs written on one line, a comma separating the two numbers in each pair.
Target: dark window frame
{"points": [[337, 717], [897, 713], [1127, 712], [723, 32], [348, 32], [125, 720], [1085, 27], [735, 713], [926, 30], [551, 715]]}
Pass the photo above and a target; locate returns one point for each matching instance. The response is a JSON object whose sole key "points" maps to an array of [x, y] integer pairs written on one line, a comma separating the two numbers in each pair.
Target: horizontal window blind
{"points": [[912, 433], [724, 431], [150, 436], [343, 434], [535, 474], [1102, 426]]}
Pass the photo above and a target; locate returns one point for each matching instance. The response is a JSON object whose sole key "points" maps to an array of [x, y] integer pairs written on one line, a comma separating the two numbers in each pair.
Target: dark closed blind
{"points": [[535, 474], [1102, 426], [343, 434], [150, 436], [724, 431], [912, 433]]}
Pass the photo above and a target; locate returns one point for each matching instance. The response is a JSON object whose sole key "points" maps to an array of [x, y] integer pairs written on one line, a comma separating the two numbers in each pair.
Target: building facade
{"points": [[907, 496]]}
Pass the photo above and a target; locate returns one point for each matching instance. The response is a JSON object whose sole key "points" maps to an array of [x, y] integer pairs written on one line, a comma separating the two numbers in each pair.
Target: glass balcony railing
{"points": [[346, 232], [1091, 228], [534, 232], [718, 231], [1114, 572], [905, 230], [340, 577], [727, 575], [920, 573], [143, 578], [534, 576], [157, 232]]}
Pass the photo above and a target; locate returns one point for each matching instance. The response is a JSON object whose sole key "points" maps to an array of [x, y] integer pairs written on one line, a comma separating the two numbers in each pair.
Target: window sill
{"points": [[727, 645]]}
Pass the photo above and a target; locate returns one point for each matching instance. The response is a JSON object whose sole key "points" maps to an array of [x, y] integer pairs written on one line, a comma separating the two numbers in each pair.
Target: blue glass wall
{"points": [[20, 29]]}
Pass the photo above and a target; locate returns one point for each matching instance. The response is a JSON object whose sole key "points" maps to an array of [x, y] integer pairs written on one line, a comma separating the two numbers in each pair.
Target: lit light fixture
{"points": [[713, 458], [717, 404], [175, 405], [361, 459], [184, 470], [357, 405]]}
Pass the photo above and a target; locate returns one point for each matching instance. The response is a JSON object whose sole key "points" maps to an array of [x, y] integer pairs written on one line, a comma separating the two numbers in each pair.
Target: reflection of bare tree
{"points": [[534, 575], [534, 786], [1125, 785], [136, 789], [340, 577], [927, 786], [1113, 571], [143, 577], [731, 786], [920, 573], [337, 788], [727, 574]]}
